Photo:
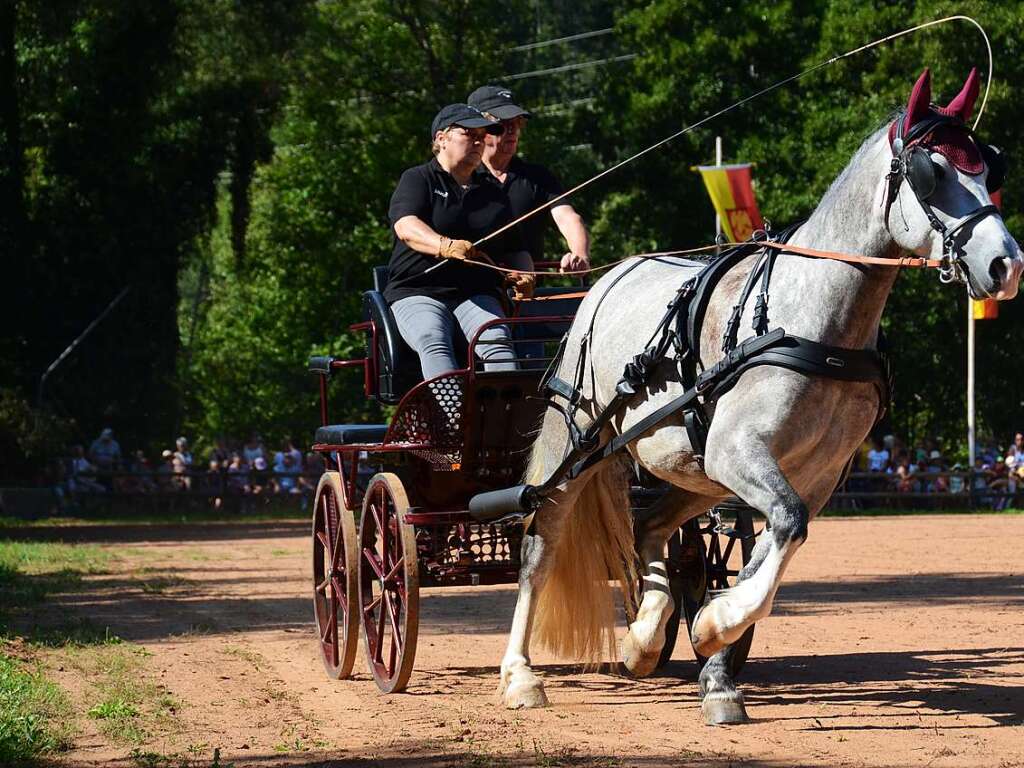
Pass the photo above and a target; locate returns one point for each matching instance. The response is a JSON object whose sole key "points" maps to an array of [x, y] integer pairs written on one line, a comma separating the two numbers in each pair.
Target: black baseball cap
{"points": [[496, 100], [462, 115]]}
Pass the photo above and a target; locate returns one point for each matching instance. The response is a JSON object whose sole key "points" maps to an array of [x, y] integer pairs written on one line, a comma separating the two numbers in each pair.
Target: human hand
{"points": [[456, 249], [522, 285], [572, 262]]}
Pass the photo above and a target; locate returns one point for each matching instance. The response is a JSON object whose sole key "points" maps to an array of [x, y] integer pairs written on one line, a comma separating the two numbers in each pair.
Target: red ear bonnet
{"points": [[953, 143], [920, 100], [963, 104]]}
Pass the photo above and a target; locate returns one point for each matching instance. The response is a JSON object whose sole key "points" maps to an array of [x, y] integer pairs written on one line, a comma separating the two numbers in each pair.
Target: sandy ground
{"points": [[894, 642]]}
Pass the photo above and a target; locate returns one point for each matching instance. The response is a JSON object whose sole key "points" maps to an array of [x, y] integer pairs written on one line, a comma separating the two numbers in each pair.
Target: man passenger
{"points": [[527, 185]]}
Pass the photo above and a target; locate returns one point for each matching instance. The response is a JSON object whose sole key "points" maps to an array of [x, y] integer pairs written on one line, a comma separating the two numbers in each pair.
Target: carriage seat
{"points": [[397, 366], [351, 434]]}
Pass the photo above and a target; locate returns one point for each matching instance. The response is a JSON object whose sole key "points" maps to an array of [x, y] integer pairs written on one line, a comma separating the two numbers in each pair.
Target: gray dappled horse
{"points": [[779, 440]]}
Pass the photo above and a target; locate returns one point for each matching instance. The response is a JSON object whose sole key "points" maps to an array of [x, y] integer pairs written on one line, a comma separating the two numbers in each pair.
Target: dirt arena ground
{"points": [[894, 642]]}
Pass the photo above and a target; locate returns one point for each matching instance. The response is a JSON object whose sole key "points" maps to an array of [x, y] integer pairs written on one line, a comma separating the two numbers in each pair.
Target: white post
{"points": [[718, 162], [970, 383]]}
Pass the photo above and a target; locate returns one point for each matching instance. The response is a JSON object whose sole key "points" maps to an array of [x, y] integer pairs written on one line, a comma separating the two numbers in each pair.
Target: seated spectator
{"points": [[220, 452], [166, 472], [905, 472], [105, 455], [878, 456], [998, 485], [82, 477], [937, 467], [288, 476], [142, 472], [254, 449], [260, 477], [238, 475]]}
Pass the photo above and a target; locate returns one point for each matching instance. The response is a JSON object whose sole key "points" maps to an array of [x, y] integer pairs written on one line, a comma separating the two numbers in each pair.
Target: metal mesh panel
{"points": [[433, 415], [468, 547]]}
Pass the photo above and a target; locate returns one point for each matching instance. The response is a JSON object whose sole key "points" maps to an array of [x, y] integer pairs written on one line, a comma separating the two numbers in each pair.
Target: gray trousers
{"points": [[427, 324]]}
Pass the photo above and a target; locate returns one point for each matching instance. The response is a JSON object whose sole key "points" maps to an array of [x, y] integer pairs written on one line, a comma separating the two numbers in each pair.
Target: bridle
{"points": [[912, 162]]}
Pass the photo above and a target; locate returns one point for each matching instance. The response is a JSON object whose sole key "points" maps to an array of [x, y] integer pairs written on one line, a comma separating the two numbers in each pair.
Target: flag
{"points": [[986, 309], [732, 194]]}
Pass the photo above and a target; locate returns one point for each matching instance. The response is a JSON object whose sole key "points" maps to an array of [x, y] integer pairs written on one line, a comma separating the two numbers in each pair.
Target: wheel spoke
{"points": [[394, 570], [322, 586], [323, 542], [332, 621], [396, 635], [372, 605], [339, 594], [379, 650], [371, 557]]}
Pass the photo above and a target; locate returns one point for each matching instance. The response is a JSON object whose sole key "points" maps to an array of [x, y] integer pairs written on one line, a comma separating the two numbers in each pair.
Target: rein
{"points": [[899, 262]]}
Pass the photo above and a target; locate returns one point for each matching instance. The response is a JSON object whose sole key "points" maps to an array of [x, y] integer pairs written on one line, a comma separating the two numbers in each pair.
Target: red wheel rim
{"points": [[387, 586], [333, 535]]}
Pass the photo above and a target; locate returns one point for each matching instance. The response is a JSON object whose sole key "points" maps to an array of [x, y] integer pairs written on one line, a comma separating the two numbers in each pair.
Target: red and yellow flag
{"points": [[732, 193]]}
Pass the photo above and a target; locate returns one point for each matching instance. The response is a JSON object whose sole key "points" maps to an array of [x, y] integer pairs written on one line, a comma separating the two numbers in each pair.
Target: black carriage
{"points": [[391, 514]]}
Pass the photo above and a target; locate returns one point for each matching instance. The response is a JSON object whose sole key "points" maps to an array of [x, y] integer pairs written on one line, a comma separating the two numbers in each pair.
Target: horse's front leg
{"points": [[722, 703], [643, 643], [746, 467]]}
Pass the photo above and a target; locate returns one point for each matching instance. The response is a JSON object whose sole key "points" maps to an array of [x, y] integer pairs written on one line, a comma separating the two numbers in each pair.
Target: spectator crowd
{"points": [[230, 469], [887, 464]]}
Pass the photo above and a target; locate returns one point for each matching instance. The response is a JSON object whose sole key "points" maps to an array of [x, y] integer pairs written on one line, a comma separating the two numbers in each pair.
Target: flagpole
{"points": [[718, 162], [970, 384]]}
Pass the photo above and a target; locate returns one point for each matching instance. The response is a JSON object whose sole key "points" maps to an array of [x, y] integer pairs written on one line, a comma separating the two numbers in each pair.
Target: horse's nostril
{"points": [[997, 271]]}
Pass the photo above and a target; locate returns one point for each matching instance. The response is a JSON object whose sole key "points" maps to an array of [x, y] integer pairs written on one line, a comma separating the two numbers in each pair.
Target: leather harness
{"points": [[679, 330]]}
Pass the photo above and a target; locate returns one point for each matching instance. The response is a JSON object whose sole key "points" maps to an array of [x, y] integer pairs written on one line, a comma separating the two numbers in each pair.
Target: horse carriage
{"points": [[391, 512]]}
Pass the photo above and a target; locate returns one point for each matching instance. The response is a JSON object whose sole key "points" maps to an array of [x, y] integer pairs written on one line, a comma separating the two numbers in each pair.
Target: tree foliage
{"points": [[232, 164]]}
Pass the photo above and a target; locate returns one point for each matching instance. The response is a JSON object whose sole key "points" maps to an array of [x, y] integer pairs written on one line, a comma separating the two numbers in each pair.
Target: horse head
{"points": [[939, 193]]}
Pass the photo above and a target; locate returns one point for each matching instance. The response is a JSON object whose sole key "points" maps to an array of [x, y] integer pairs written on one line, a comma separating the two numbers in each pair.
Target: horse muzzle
{"points": [[1005, 273]]}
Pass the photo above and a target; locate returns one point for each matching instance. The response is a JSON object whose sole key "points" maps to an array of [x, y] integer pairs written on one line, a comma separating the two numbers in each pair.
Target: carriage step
{"points": [[351, 434]]}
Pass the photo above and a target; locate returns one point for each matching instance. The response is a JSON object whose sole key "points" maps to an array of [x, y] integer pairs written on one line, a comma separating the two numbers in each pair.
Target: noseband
{"points": [[912, 162]]}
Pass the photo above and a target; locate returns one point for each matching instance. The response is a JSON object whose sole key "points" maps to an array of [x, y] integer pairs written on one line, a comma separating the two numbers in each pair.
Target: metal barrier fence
{"points": [[164, 492], [929, 491]]}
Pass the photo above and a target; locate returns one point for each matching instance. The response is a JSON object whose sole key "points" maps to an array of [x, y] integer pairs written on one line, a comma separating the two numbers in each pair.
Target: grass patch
{"points": [[29, 571], [161, 584], [33, 713], [126, 705], [138, 514]]}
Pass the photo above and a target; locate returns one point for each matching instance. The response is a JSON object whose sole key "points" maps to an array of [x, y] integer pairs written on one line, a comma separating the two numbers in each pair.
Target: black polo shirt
{"points": [[526, 186], [431, 194]]}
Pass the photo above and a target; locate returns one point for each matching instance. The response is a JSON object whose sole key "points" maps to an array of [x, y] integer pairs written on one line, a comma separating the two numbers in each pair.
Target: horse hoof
{"points": [[635, 661], [721, 708], [525, 694]]}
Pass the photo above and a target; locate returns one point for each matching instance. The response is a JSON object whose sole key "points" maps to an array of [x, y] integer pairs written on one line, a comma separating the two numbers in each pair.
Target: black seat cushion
{"points": [[351, 434]]}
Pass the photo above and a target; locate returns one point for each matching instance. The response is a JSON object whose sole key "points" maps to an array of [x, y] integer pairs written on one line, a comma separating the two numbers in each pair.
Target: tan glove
{"points": [[522, 285], [456, 249]]}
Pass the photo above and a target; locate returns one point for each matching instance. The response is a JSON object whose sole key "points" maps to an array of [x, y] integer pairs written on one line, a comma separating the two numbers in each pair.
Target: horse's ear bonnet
{"points": [[952, 139]]}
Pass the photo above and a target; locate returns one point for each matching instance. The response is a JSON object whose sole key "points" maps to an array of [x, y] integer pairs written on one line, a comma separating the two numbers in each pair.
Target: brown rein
{"points": [[850, 258]]}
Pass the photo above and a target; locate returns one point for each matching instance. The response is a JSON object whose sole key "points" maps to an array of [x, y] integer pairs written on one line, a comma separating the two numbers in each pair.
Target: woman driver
{"points": [[437, 211]]}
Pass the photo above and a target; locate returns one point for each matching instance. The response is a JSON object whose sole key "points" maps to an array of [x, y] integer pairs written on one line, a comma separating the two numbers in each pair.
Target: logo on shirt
{"points": [[442, 194]]}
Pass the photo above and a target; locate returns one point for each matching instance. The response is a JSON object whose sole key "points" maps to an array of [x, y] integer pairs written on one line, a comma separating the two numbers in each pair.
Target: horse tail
{"points": [[576, 608]]}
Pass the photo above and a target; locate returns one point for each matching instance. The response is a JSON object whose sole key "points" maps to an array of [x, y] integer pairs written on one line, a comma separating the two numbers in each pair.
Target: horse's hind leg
{"points": [[642, 645]]}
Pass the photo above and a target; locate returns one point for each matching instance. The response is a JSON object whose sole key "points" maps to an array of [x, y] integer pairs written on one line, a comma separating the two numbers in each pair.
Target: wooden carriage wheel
{"points": [[389, 586], [708, 562], [335, 571]]}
